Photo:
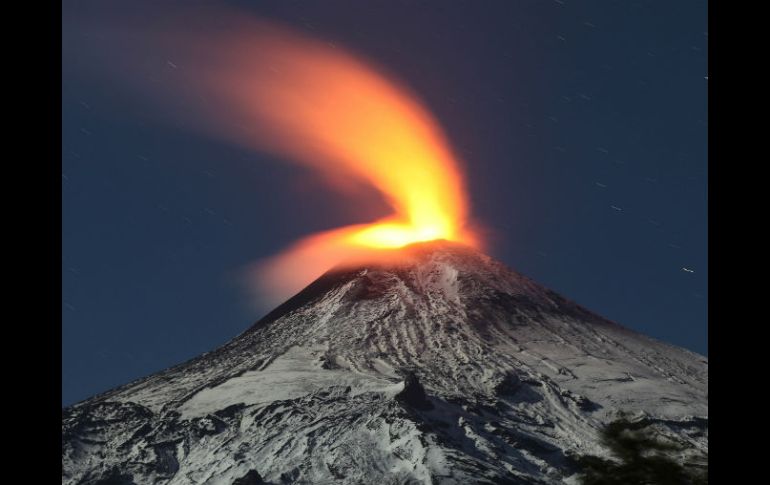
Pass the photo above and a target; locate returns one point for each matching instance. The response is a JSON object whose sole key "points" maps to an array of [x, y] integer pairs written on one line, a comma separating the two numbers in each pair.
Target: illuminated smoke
{"points": [[275, 90]]}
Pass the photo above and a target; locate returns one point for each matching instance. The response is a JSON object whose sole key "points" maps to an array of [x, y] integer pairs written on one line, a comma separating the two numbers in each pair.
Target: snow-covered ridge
{"points": [[445, 367]]}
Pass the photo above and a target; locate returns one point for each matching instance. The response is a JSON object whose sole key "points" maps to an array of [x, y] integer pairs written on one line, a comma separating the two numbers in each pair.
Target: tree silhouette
{"points": [[643, 459]]}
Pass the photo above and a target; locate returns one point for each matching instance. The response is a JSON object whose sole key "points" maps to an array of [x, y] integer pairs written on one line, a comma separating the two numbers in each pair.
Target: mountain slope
{"points": [[443, 367]]}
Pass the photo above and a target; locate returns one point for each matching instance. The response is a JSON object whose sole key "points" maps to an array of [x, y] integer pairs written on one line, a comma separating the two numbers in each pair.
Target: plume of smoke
{"points": [[272, 89]]}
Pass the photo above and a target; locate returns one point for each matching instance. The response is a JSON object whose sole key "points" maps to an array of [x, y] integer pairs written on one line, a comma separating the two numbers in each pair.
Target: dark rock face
{"points": [[413, 394], [508, 385], [250, 478], [446, 367]]}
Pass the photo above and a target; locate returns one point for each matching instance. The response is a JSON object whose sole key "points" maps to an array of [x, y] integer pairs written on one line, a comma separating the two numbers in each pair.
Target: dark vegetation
{"points": [[643, 458]]}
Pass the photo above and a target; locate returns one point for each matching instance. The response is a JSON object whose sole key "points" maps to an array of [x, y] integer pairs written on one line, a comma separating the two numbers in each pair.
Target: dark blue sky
{"points": [[563, 112]]}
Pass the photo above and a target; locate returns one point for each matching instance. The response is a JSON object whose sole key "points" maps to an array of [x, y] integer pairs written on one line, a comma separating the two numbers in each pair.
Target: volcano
{"points": [[443, 367]]}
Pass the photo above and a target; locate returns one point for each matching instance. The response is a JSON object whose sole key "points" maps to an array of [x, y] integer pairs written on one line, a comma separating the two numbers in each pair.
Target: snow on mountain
{"points": [[446, 368]]}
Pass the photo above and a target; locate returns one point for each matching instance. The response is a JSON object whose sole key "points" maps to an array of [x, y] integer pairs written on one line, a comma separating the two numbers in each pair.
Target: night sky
{"points": [[582, 127]]}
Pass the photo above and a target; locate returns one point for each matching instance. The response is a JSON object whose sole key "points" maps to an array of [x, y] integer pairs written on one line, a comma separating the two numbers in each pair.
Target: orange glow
{"points": [[272, 89], [321, 106], [316, 104]]}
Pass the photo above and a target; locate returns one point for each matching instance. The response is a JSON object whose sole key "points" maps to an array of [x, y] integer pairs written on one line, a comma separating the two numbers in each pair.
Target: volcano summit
{"points": [[445, 367]]}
